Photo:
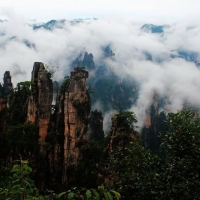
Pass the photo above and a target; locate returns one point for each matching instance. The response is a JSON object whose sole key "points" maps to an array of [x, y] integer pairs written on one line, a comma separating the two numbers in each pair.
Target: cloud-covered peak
{"points": [[166, 62], [57, 24], [154, 28]]}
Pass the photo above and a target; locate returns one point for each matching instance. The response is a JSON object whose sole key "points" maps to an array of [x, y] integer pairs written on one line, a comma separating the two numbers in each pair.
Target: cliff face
{"points": [[2, 103], [7, 83], [154, 124], [76, 111], [5, 90], [69, 123], [39, 103], [3, 125], [152, 111], [62, 128]]}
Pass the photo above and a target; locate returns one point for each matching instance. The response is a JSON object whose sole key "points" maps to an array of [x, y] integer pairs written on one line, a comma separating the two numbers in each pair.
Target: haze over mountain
{"points": [[160, 57]]}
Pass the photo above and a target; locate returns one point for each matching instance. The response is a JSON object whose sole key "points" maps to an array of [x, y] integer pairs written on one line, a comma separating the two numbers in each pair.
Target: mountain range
{"points": [[127, 62]]}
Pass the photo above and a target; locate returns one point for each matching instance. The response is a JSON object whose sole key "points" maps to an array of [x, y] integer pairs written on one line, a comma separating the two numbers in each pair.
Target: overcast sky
{"points": [[160, 10]]}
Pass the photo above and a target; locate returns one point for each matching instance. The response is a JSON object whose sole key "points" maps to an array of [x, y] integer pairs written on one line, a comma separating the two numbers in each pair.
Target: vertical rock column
{"points": [[7, 83], [152, 111], [39, 105], [5, 90], [76, 113]]}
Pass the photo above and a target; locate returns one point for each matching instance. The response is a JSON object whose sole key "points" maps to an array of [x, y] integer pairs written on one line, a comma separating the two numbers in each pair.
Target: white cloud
{"points": [[176, 77]]}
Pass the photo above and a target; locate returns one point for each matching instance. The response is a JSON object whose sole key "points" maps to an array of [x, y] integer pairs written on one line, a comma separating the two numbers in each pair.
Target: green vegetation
{"points": [[64, 84], [19, 186], [22, 139], [182, 156], [129, 172], [124, 121], [111, 91], [134, 172], [96, 126], [118, 166], [122, 130], [19, 102], [150, 135], [173, 174]]}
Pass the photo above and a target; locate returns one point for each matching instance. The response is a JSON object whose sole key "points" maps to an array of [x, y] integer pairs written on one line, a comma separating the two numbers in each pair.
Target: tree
{"points": [[19, 185], [122, 130], [150, 135], [138, 174], [95, 132], [182, 156], [22, 139], [134, 172], [65, 84], [17, 111], [125, 120]]}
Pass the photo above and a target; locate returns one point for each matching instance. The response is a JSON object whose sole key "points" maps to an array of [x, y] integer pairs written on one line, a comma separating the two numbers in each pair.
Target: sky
{"points": [[118, 25], [155, 10]]}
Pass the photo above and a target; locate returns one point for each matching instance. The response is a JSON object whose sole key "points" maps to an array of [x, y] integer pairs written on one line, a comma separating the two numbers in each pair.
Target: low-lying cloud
{"points": [[153, 60]]}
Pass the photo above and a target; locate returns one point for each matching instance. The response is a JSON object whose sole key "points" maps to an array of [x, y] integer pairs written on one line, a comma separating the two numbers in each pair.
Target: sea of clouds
{"points": [[168, 75]]}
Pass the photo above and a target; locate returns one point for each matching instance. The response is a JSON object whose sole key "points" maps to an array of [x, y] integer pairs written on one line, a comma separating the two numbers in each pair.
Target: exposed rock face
{"points": [[3, 125], [39, 104], [63, 126], [154, 124], [152, 111], [71, 114], [76, 112], [2, 104], [7, 84], [5, 90]]}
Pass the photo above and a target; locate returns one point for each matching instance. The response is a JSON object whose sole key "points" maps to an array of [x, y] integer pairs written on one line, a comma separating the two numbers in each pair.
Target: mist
{"points": [[165, 71]]}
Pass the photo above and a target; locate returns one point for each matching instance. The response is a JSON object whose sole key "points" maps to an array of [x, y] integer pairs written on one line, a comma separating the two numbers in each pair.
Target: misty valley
{"points": [[102, 116]]}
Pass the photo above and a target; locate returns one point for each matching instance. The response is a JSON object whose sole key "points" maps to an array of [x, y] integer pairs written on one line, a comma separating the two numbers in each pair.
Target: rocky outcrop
{"points": [[153, 110], [61, 128], [7, 83], [39, 103], [2, 98], [3, 124], [71, 114], [76, 112], [3, 104], [5, 90], [155, 123]]}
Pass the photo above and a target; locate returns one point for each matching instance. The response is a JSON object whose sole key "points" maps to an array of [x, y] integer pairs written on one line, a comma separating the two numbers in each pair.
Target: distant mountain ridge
{"points": [[191, 56], [154, 28], [50, 25]]}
